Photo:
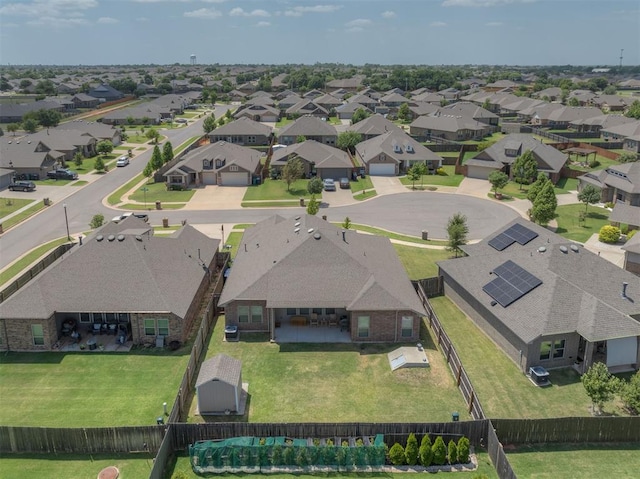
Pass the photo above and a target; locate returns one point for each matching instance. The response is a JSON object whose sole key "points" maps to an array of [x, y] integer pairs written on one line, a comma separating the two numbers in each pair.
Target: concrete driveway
{"points": [[217, 197], [340, 197], [387, 185]]}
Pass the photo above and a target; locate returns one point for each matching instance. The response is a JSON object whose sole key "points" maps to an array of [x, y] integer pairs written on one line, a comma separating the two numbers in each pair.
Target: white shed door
{"points": [[622, 351], [235, 179], [478, 172], [388, 169], [209, 178]]}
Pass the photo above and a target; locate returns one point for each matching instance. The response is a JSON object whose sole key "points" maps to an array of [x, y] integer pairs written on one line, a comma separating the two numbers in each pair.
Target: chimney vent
{"points": [[344, 236], [624, 289]]}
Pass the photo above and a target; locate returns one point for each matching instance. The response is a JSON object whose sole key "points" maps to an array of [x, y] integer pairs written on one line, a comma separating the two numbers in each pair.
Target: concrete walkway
{"points": [[610, 252]]}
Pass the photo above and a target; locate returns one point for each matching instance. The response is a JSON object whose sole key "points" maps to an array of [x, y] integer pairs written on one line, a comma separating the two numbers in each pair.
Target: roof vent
{"points": [[120, 237], [542, 249], [296, 231], [138, 238], [297, 224], [297, 218], [317, 236], [564, 249], [310, 230], [574, 248], [99, 238], [111, 237]]}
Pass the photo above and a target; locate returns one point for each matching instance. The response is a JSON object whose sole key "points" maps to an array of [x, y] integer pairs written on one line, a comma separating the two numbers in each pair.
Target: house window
{"points": [[363, 326], [304, 311], [256, 314], [85, 317], [407, 327], [163, 327], [123, 317], [111, 317], [330, 311], [558, 349], [291, 311], [317, 310], [149, 327], [243, 314], [251, 139], [545, 350], [98, 317], [38, 334], [233, 168]]}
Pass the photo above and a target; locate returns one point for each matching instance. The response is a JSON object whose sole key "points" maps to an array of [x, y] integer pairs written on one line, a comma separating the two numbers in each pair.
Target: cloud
{"points": [[142, 19], [493, 24], [482, 3], [239, 12], [263, 24], [388, 14], [299, 11], [205, 13], [437, 24], [107, 20], [58, 22], [48, 8], [359, 23]]}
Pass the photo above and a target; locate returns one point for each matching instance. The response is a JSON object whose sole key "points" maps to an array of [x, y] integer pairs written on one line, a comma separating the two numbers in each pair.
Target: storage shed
{"points": [[219, 385]]}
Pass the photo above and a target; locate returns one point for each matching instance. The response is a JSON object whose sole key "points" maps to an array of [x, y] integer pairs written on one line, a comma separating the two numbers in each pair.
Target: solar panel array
{"points": [[511, 284], [515, 233]]}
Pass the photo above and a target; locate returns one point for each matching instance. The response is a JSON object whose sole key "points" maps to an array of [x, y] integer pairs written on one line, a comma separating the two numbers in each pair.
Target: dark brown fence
{"points": [[40, 440], [431, 286], [568, 429], [498, 456], [37, 268], [449, 352], [164, 456]]}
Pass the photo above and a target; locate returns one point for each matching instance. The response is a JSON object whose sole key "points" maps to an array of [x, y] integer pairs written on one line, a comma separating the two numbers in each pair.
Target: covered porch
{"points": [[310, 325], [620, 354]]}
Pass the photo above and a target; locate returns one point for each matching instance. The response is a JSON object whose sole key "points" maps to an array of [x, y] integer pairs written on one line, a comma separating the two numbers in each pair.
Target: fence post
{"points": [[459, 374], [472, 398]]}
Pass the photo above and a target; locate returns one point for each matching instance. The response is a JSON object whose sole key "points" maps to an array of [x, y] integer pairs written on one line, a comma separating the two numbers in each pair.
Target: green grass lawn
{"points": [[392, 235], [233, 239], [18, 218], [18, 267], [283, 122], [516, 190], [504, 391], [74, 466], [448, 179], [116, 197], [158, 192], [365, 195], [151, 206], [89, 164], [361, 184], [11, 205], [604, 163], [52, 182], [420, 262], [277, 190], [185, 144], [570, 227], [342, 382], [88, 389], [269, 204], [586, 461]]}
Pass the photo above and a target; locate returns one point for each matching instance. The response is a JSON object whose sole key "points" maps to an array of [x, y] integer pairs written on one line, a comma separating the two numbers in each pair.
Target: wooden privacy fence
{"points": [[164, 455], [451, 355], [40, 440], [568, 429], [498, 456], [431, 286]]}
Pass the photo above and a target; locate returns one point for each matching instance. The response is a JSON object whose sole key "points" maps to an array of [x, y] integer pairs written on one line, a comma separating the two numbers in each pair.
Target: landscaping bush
{"points": [[609, 204], [441, 172], [439, 452], [630, 394], [396, 455], [276, 456], [426, 455], [179, 475], [630, 234], [411, 451], [594, 164], [289, 456], [463, 450], [609, 234], [302, 459], [452, 452]]}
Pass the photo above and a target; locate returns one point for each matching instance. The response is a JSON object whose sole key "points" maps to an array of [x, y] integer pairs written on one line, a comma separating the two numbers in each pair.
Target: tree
{"points": [[292, 170], [99, 164], [359, 115], [347, 140], [148, 170], [573, 101], [49, 118], [97, 221], [78, 159], [545, 204], [537, 186], [524, 168], [452, 452], [634, 110], [30, 125], [484, 144], [104, 147], [498, 180], [346, 224], [13, 127], [463, 450], [209, 123], [610, 90], [589, 195], [630, 394], [227, 114], [425, 452], [413, 175], [411, 451], [315, 186], [626, 157], [457, 230], [167, 152], [404, 113], [314, 206], [156, 158], [599, 385], [301, 139], [439, 451], [153, 135], [396, 455]]}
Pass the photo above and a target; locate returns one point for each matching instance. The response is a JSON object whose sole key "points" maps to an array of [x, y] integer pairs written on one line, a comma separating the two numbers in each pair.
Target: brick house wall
{"points": [[231, 316], [385, 326], [16, 335]]}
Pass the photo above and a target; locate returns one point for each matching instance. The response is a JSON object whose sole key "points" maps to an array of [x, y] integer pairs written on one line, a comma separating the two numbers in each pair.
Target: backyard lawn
{"points": [[421, 262], [504, 391], [89, 388], [271, 190], [158, 192], [576, 460], [449, 178], [570, 227]]}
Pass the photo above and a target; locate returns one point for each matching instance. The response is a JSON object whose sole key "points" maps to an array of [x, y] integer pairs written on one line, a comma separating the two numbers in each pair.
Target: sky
{"points": [[426, 32]]}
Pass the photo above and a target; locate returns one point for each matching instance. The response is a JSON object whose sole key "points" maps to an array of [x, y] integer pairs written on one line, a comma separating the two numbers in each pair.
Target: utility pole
{"points": [[621, 50]]}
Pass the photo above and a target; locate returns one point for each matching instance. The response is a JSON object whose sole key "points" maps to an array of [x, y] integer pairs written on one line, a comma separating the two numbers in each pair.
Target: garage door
{"points": [[379, 169], [235, 179], [209, 178], [478, 172], [621, 352]]}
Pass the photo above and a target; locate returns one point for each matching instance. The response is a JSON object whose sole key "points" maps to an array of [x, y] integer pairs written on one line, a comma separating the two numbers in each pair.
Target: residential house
{"points": [[352, 84], [421, 108], [328, 102], [611, 103], [313, 94], [632, 255], [243, 131], [556, 116], [317, 158], [618, 184], [630, 84], [346, 111], [470, 110], [263, 113], [336, 285], [311, 128], [598, 123], [627, 133], [105, 93], [500, 85], [99, 131], [122, 280], [373, 125], [288, 101], [364, 100], [220, 163], [546, 301], [553, 93], [13, 113], [66, 141], [29, 158], [308, 108], [145, 114], [394, 152], [502, 154], [451, 127]]}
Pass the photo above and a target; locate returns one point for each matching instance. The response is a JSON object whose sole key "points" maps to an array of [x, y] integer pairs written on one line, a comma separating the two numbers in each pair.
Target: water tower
{"points": [[193, 59]]}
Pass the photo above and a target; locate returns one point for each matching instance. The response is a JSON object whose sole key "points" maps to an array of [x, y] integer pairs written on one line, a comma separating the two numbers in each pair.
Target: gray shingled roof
{"points": [[625, 213], [150, 274], [308, 126], [324, 156], [633, 245], [222, 368], [627, 178], [242, 126], [374, 125], [581, 292], [288, 269], [246, 158], [385, 144]]}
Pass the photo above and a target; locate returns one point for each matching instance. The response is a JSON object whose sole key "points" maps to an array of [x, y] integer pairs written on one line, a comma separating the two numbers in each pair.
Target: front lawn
{"points": [[19, 217], [420, 263], [89, 164], [158, 192], [361, 184], [11, 205], [116, 197], [270, 190], [572, 228], [516, 190], [448, 178], [88, 389]]}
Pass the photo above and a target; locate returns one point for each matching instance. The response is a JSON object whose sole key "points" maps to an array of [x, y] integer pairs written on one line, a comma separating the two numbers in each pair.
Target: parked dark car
{"points": [[62, 174], [22, 186], [344, 183]]}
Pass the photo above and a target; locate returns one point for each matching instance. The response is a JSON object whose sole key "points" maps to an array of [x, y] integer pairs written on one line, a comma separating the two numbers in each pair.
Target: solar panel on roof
{"points": [[512, 283], [500, 242], [515, 233]]}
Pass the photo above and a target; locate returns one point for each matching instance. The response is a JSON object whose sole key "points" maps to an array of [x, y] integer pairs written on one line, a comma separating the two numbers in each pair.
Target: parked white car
{"points": [[122, 161]]}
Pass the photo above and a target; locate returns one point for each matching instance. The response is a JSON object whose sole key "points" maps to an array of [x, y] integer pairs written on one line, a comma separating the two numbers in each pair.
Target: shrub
{"points": [[463, 450], [179, 475], [396, 455], [289, 456], [630, 394], [302, 459], [594, 164], [439, 452], [97, 221], [609, 204], [411, 451], [609, 234], [441, 172], [426, 455], [329, 454], [452, 452], [276, 455], [630, 234]]}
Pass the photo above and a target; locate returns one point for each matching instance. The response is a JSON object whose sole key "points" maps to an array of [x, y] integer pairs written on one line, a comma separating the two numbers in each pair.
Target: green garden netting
{"points": [[251, 454]]}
